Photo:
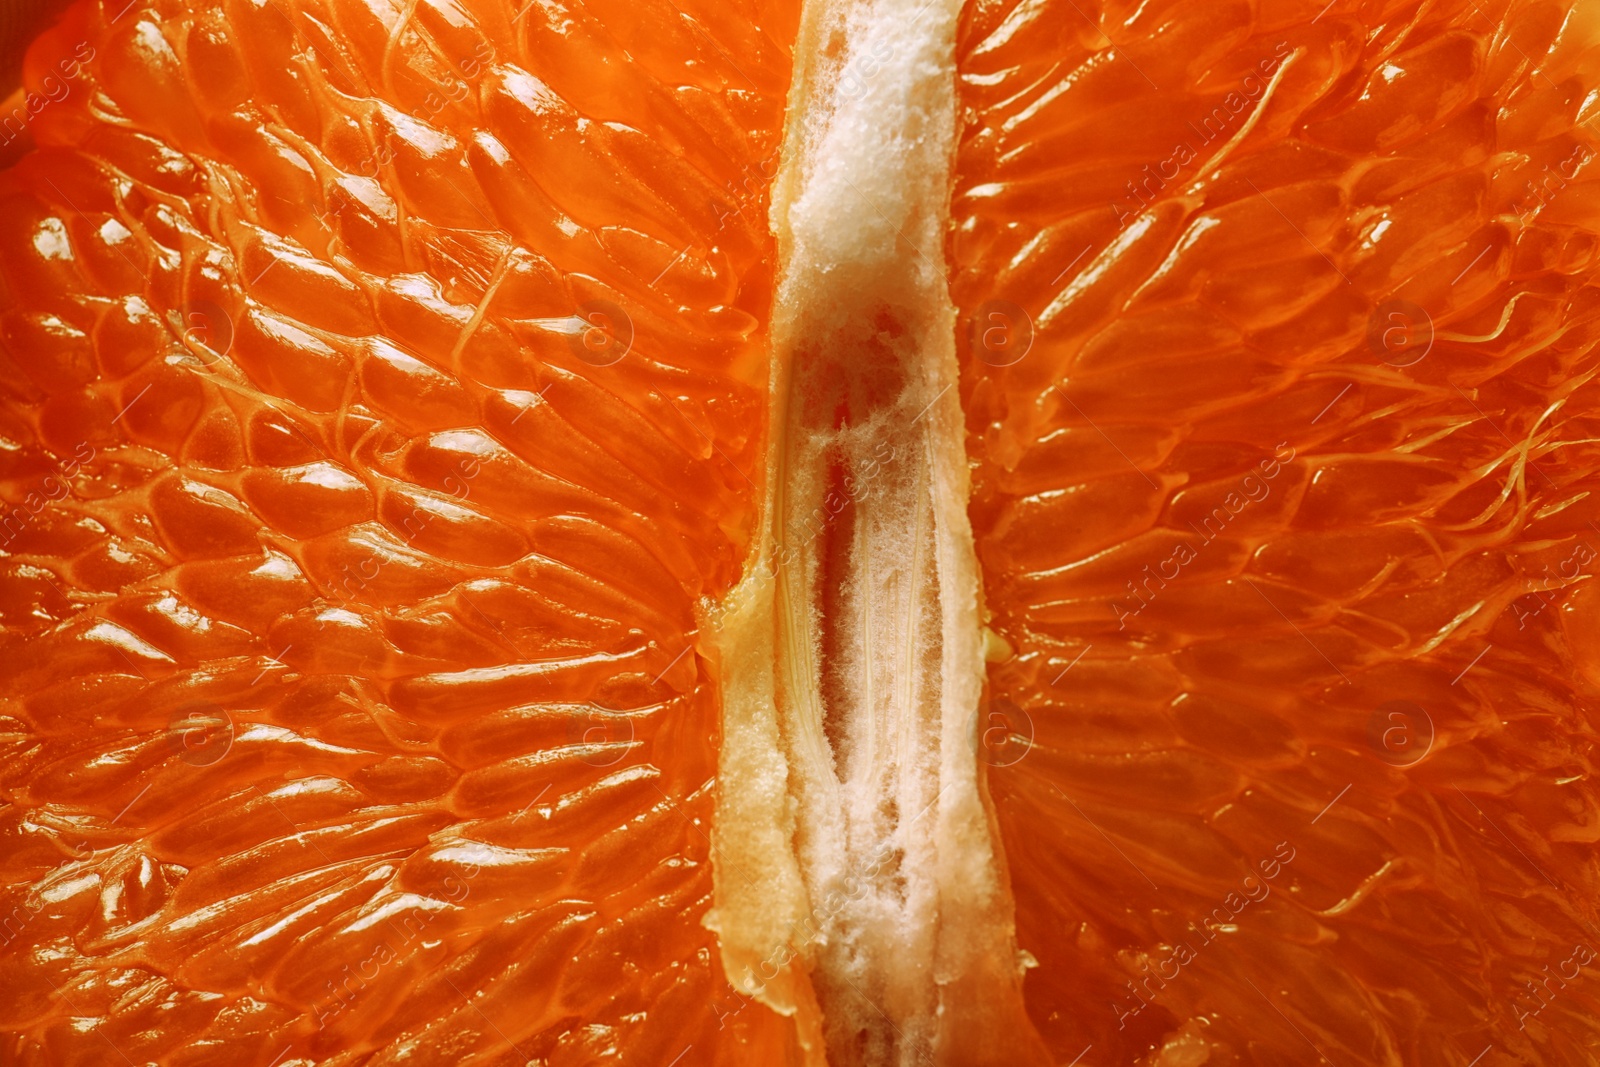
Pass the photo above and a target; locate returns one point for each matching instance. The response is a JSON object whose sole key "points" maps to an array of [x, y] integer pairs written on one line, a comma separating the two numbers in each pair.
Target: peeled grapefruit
{"points": [[850, 532]]}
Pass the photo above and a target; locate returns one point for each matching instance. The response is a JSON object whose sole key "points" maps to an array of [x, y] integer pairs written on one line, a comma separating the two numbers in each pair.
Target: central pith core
{"points": [[858, 883]]}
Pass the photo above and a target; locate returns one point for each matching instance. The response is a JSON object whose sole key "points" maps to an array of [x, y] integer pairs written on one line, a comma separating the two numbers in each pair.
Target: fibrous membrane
{"points": [[859, 886]]}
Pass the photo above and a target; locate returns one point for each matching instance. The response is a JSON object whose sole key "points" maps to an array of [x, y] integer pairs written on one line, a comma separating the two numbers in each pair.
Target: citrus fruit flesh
{"points": [[1288, 513], [383, 387], [406, 406]]}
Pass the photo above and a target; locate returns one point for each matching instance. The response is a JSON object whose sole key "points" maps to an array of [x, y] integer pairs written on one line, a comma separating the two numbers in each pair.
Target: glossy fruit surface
{"points": [[1288, 513], [377, 387], [382, 391]]}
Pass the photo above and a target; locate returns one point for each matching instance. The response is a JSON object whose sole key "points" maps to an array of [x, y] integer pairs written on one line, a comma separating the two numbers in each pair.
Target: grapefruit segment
{"points": [[1302, 412], [354, 350]]}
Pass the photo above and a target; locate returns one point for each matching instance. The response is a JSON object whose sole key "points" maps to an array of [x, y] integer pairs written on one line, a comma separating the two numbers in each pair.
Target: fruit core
{"points": [[859, 885]]}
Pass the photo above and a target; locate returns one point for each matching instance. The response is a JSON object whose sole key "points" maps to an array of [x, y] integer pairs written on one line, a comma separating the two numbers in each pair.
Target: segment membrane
{"points": [[859, 887]]}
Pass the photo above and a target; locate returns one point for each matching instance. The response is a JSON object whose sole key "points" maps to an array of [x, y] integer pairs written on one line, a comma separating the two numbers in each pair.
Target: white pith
{"points": [[858, 883]]}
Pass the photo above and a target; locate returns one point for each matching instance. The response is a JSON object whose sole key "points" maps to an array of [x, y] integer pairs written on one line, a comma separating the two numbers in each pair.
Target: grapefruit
{"points": [[1285, 513], [851, 532]]}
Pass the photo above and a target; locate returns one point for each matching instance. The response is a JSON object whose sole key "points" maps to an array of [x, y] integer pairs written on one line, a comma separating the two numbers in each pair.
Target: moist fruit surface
{"points": [[384, 398], [1288, 513], [378, 384]]}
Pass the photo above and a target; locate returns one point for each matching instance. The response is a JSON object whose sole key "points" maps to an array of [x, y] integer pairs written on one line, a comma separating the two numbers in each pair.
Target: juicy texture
{"points": [[330, 520], [1227, 518], [347, 696]]}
